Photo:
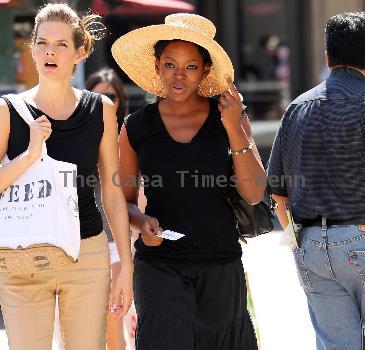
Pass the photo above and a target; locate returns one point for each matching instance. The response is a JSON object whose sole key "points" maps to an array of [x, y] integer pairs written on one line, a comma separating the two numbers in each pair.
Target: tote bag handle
{"points": [[22, 109]]}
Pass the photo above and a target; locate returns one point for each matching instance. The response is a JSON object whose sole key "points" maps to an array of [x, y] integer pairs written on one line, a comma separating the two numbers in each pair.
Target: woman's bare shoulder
{"points": [[4, 110]]}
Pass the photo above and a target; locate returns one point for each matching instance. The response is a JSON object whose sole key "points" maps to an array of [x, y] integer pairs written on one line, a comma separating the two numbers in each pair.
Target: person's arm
{"points": [[280, 209], [130, 181], [248, 169], [276, 178], [39, 130], [115, 208]]}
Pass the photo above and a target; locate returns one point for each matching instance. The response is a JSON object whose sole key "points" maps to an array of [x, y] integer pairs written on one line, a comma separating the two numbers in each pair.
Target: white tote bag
{"points": [[41, 206]]}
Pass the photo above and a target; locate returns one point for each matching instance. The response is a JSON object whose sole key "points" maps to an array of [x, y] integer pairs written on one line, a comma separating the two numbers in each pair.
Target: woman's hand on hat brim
{"points": [[230, 106]]}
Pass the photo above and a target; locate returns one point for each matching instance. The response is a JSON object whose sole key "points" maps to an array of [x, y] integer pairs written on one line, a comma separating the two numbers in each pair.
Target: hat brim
{"points": [[134, 53]]}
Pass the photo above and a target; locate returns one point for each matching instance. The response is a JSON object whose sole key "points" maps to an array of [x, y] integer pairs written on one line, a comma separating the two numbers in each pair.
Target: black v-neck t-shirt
{"points": [[75, 140], [187, 186]]}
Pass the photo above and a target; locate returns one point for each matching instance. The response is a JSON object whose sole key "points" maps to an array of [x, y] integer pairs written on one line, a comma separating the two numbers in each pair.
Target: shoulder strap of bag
{"points": [[20, 106], [22, 109]]}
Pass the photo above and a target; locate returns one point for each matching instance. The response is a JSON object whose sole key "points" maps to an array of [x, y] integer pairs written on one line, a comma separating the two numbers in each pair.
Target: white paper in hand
{"points": [[171, 235]]}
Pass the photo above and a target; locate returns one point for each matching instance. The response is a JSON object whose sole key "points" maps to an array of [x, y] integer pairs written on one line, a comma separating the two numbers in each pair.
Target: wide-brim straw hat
{"points": [[134, 52]]}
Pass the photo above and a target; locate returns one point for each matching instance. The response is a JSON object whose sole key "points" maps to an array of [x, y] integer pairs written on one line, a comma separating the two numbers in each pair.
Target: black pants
{"points": [[192, 307]]}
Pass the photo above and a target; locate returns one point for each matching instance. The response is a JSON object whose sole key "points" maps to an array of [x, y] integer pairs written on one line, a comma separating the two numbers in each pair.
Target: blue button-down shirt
{"points": [[317, 158]]}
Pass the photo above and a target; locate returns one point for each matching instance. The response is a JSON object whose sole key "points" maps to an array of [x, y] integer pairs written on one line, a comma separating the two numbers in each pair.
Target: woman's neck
{"points": [[183, 107], [53, 94], [57, 100]]}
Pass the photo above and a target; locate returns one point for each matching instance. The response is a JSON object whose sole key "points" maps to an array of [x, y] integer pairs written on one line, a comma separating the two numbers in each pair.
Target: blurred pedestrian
{"points": [[80, 128], [317, 168], [190, 293], [106, 82]]}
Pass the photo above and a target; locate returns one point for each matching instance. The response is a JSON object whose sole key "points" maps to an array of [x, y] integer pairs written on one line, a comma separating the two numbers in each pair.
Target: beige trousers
{"points": [[28, 302]]}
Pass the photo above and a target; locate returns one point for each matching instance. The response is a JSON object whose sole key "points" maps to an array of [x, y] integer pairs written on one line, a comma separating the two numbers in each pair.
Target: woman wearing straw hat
{"points": [[190, 290]]}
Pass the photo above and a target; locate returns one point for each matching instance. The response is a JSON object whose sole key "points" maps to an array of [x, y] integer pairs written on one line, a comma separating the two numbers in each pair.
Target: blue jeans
{"points": [[331, 269]]}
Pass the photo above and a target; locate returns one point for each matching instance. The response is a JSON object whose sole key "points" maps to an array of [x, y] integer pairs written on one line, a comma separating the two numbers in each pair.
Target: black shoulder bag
{"points": [[251, 220]]}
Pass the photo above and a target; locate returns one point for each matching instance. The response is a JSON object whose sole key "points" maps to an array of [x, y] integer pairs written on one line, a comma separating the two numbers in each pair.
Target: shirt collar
{"points": [[347, 73]]}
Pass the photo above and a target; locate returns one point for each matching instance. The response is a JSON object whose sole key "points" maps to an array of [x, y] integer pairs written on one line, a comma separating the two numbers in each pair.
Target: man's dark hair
{"points": [[345, 40], [162, 44]]}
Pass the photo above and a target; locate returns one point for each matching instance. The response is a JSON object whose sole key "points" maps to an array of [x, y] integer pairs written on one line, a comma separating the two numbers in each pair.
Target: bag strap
{"points": [[22, 109], [20, 106]]}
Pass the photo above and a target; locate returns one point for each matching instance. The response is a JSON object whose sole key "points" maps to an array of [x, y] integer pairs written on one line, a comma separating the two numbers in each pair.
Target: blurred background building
{"points": [[276, 46]]}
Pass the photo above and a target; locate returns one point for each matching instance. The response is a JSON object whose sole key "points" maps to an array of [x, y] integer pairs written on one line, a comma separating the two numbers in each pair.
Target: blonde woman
{"points": [[79, 127]]}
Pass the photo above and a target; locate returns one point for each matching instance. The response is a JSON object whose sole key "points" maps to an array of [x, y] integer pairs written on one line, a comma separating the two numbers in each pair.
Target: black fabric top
{"points": [[75, 140], [318, 154], [187, 187]]}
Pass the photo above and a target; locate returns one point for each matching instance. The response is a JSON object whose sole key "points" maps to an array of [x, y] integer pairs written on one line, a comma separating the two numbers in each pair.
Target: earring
{"points": [[158, 90], [154, 85], [201, 88], [163, 92]]}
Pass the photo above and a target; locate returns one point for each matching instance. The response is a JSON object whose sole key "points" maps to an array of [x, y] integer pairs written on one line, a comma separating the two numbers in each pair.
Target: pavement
{"points": [[279, 302]]}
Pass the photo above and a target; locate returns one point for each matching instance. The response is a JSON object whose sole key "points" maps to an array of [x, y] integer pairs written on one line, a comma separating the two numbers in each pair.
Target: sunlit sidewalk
{"points": [[279, 302]]}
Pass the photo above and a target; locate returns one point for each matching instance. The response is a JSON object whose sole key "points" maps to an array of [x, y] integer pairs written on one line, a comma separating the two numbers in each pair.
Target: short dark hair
{"points": [[345, 40], [108, 75], [162, 44]]}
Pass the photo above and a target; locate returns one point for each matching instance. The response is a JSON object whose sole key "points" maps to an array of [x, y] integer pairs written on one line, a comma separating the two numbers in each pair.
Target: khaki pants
{"points": [[28, 302]]}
